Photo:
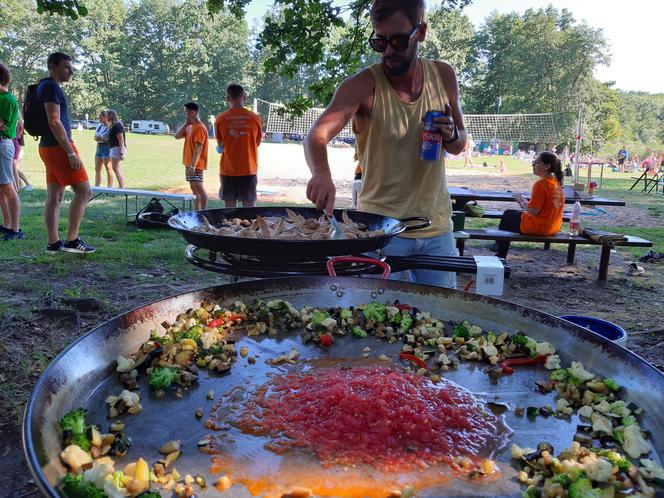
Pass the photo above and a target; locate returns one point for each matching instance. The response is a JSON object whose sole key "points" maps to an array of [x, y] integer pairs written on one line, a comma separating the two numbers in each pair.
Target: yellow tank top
{"points": [[395, 182]]}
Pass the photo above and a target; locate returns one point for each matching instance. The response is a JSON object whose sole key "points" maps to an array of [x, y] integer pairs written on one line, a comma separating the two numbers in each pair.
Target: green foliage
{"points": [[68, 8]]}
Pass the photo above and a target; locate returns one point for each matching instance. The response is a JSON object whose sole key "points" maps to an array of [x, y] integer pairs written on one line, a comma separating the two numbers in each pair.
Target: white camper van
{"points": [[149, 127]]}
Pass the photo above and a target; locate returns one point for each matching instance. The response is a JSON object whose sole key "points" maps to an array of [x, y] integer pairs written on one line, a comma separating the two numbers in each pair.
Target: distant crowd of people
{"points": [[238, 133], [651, 163]]}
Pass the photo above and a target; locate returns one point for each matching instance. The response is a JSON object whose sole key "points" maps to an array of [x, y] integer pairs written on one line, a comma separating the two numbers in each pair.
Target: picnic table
{"points": [[136, 193], [590, 170], [462, 196]]}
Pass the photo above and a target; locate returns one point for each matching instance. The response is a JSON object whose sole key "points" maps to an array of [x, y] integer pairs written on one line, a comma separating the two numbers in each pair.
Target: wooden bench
{"points": [[559, 238], [136, 193]]}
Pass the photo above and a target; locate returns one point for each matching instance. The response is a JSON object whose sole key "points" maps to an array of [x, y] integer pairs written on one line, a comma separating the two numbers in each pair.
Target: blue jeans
{"points": [[441, 245]]}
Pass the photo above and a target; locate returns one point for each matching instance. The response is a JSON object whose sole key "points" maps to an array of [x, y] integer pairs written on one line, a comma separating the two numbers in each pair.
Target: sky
{"points": [[633, 30]]}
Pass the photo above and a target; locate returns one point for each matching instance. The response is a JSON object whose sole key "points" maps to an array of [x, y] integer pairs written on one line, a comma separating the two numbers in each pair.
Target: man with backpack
{"points": [[56, 149]]}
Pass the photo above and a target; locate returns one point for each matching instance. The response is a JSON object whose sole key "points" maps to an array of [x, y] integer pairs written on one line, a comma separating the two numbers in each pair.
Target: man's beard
{"points": [[401, 68]]}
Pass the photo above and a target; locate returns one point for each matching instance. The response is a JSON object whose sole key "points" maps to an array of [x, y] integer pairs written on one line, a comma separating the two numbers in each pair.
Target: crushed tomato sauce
{"points": [[383, 417]]}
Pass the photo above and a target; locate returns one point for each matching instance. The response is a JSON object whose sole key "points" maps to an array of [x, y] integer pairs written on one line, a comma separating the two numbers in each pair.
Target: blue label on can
{"points": [[432, 139]]}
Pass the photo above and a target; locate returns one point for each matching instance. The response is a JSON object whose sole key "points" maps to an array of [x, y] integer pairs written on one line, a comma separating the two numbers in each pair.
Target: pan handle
{"points": [[426, 222], [355, 259]]}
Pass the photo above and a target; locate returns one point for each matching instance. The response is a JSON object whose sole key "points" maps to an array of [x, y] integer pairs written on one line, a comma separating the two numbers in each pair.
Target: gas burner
{"points": [[269, 267], [265, 267]]}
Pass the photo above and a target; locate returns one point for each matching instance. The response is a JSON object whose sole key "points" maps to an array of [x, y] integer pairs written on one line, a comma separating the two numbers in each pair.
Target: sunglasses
{"points": [[398, 42]]}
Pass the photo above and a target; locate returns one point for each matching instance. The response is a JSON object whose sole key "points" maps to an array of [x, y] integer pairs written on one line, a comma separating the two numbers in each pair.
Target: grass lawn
{"points": [[153, 162]]}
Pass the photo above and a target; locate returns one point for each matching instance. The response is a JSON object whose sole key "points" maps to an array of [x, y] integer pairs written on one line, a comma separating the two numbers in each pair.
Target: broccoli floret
{"points": [[433, 342], [616, 459], [345, 314], [574, 380], [318, 318], [80, 440], [376, 312], [194, 333], [583, 488], [166, 340], [75, 486], [526, 341], [628, 420], [406, 323], [162, 378], [560, 375], [118, 479], [612, 385], [279, 306], [532, 492], [359, 332], [154, 335], [74, 421], [149, 494], [396, 319], [618, 436], [460, 330], [491, 337], [563, 479]]}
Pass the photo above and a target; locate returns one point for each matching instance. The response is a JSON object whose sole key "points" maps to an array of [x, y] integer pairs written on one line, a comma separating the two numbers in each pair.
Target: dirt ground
{"points": [[540, 279]]}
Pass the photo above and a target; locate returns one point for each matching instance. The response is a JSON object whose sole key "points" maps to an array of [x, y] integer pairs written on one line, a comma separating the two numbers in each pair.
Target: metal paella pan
{"points": [[83, 375], [289, 249]]}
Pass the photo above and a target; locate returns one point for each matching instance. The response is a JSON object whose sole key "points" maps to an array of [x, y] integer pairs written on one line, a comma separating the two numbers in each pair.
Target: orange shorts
{"points": [[58, 169]]}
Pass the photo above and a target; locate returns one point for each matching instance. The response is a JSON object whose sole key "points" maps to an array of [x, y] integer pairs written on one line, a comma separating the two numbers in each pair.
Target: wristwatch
{"points": [[455, 136]]}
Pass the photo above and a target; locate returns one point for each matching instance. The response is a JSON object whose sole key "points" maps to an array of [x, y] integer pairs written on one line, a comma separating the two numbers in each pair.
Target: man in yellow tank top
{"points": [[387, 103]]}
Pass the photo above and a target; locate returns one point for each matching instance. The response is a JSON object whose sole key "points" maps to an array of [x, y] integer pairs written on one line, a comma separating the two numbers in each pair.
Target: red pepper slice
{"points": [[414, 359], [217, 322], [403, 307], [237, 316], [326, 340], [531, 360]]}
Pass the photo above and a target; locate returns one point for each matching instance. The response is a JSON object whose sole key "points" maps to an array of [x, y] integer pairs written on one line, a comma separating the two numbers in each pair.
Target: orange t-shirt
{"points": [[548, 197], [240, 132], [195, 134]]}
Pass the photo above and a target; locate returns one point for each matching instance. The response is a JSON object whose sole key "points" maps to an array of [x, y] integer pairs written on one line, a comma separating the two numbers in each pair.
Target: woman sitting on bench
{"points": [[543, 215]]}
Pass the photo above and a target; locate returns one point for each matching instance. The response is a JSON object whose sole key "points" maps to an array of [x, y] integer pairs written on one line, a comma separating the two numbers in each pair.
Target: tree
{"points": [[26, 38], [296, 35], [450, 38]]}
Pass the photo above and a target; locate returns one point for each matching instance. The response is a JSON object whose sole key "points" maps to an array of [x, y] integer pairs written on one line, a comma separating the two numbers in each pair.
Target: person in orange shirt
{"points": [[239, 133], [543, 215], [195, 152]]}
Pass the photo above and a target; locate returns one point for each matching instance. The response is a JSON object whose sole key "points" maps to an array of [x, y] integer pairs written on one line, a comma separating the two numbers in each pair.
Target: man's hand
{"points": [[191, 171], [321, 191], [75, 162], [123, 154], [445, 125], [3, 126]]}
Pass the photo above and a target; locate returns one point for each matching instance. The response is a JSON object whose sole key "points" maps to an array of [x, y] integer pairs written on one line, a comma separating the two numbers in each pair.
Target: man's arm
{"points": [[217, 133], [345, 104], [453, 111], [182, 131], [198, 148], [259, 136], [58, 130]]}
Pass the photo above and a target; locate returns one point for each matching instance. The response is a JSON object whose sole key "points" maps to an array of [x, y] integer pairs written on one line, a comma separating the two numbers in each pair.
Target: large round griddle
{"points": [[281, 249], [83, 374]]}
